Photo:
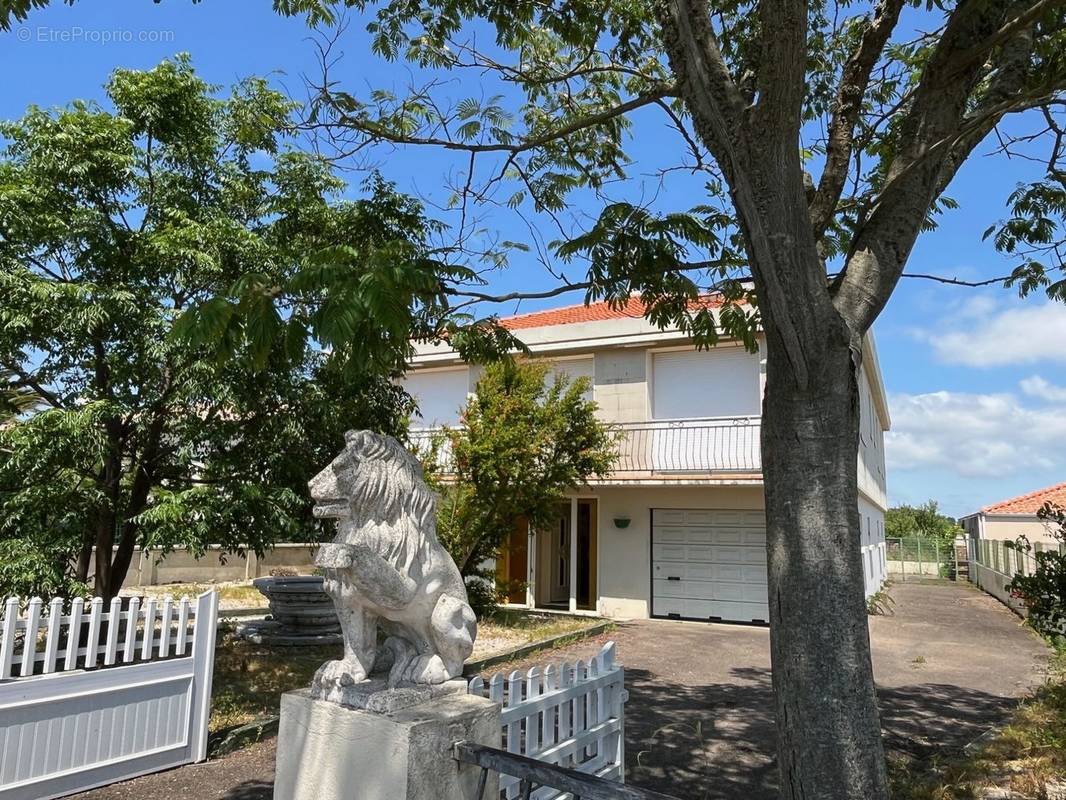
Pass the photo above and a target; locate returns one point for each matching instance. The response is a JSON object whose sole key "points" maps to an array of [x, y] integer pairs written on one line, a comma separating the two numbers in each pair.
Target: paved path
{"points": [[949, 662]]}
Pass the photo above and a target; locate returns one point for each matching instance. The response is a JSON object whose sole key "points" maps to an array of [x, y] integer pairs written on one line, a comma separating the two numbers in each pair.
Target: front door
{"points": [[560, 557]]}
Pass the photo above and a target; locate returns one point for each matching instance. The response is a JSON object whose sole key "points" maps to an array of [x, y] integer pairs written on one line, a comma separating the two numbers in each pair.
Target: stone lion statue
{"points": [[386, 569]]}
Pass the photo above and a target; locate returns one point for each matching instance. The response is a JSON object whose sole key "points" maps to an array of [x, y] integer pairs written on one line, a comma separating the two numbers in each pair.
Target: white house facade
{"points": [[677, 530]]}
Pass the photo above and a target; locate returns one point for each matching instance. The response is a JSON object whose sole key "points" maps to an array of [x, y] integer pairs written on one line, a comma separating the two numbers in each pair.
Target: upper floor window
{"points": [[573, 368], [720, 382], [441, 395]]}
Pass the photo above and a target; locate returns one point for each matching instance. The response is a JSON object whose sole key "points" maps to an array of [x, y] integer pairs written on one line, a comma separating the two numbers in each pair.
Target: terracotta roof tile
{"points": [[567, 315], [1030, 503]]}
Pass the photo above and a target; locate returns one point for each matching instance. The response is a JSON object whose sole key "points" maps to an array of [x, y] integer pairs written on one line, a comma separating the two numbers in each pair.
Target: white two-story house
{"points": [[677, 529]]}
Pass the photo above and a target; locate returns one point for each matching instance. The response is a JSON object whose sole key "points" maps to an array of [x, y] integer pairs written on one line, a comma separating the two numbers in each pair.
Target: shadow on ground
{"points": [[251, 790], [717, 741]]}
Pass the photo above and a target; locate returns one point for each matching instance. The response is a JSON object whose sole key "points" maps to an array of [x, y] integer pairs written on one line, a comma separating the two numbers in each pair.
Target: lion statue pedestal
{"points": [[379, 722]]}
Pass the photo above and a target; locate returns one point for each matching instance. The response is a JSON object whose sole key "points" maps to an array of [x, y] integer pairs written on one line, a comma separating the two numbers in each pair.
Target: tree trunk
{"points": [[829, 736], [105, 540], [123, 558], [85, 555]]}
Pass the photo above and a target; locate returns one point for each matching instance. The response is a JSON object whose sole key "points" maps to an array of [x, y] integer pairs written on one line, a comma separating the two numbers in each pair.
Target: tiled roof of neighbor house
{"points": [[595, 312], [1030, 503]]}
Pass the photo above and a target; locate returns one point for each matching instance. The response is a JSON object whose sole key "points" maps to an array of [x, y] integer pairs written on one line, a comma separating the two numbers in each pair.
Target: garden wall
{"points": [[151, 568]]}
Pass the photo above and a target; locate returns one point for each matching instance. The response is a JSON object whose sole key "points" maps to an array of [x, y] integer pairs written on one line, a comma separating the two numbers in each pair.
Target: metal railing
{"points": [[534, 774], [664, 447], [690, 445]]}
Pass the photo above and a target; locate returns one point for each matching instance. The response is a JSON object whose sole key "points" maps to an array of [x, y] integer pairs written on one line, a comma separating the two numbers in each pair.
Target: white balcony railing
{"points": [[666, 447], [690, 446]]}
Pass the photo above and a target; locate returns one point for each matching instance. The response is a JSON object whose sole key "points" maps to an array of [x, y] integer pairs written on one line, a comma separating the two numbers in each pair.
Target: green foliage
{"points": [[1044, 591], [15, 396], [31, 568], [880, 603], [925, 521], [141, 248], [572, 75], [527, 439]]}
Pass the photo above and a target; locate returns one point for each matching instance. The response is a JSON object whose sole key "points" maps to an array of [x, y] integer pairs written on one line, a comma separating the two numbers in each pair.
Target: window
{"points": [[440, 394], [710, 383], [573, 368]]}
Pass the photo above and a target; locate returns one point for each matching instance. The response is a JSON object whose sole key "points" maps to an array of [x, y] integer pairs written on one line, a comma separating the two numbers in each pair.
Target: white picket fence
{"points": [[572, 715], [89, 697]]}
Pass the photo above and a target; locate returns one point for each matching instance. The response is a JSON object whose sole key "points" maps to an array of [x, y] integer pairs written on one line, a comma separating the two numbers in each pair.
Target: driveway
{"points": [[949, 662]]}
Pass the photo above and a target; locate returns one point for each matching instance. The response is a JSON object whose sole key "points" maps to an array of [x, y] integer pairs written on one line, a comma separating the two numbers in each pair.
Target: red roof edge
{"points": [[1029, 503], [632, 308]]}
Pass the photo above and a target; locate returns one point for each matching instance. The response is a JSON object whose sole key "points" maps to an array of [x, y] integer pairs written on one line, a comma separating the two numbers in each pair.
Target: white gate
{"points": [[572, 715], [89, 697]]}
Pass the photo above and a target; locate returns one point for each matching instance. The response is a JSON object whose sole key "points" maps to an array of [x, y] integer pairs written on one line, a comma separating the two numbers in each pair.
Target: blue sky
{"points": [[976, 378]]}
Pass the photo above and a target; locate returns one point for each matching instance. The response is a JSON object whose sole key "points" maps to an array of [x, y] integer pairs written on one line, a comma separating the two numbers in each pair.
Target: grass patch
{"points": [[522, 627], [250, 679], [1023, 757], [231, 595]]}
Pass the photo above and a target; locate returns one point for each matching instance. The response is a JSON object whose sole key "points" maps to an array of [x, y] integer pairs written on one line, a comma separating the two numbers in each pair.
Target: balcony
{"points": [[665, 449], [689, 446]]}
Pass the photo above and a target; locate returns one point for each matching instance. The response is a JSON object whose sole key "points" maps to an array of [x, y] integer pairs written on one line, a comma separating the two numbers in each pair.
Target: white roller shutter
{"points": [[440, 395], [709, 383], [573, 368], [709, 565]]}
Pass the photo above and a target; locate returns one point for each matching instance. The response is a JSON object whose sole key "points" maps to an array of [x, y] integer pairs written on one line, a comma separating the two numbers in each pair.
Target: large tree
{"points": [[115, 221], [826, 136]]}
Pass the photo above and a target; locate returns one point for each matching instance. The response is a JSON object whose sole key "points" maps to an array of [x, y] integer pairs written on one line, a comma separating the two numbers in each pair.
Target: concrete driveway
{"points": [[949, 662]]}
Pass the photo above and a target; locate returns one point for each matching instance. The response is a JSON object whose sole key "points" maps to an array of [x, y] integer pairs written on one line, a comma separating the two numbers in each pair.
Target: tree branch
{"points": [[28, 380], [853, 84], [781, 73], [718, 113], [936, 128], [383, 133], [1021, 21]]}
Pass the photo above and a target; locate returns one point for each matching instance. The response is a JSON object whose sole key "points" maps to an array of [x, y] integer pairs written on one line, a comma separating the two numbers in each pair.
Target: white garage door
{"points": [[709, 564]]}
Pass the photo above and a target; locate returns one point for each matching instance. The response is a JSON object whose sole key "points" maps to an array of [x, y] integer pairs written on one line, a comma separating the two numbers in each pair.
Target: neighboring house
{"points": [[678, 528], [1009, 519]]}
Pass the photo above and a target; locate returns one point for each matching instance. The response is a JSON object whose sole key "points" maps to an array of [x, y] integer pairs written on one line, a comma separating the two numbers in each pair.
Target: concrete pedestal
{"points": [[328, 751]]}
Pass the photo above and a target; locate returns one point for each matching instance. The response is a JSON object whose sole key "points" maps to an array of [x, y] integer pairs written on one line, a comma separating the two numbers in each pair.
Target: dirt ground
{"points": [[949, 661]]}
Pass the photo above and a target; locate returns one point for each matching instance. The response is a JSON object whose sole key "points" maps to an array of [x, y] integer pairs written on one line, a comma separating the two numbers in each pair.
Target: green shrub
{"points": [[1044, 591], [29, 570]]}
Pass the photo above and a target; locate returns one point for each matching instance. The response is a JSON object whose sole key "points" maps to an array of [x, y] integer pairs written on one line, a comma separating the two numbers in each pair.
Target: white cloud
{"points": [[979, 335], [974, 435], [1036, 386]]}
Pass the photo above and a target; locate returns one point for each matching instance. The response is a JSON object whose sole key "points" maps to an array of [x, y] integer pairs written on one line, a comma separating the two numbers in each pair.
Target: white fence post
{"points": [[205, 624], [92, 649], [7, 645], [55, 626], [29, 640]]}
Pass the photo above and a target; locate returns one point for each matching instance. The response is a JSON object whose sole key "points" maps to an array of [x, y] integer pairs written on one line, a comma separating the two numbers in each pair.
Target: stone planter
{"points": [[301, 613]]}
